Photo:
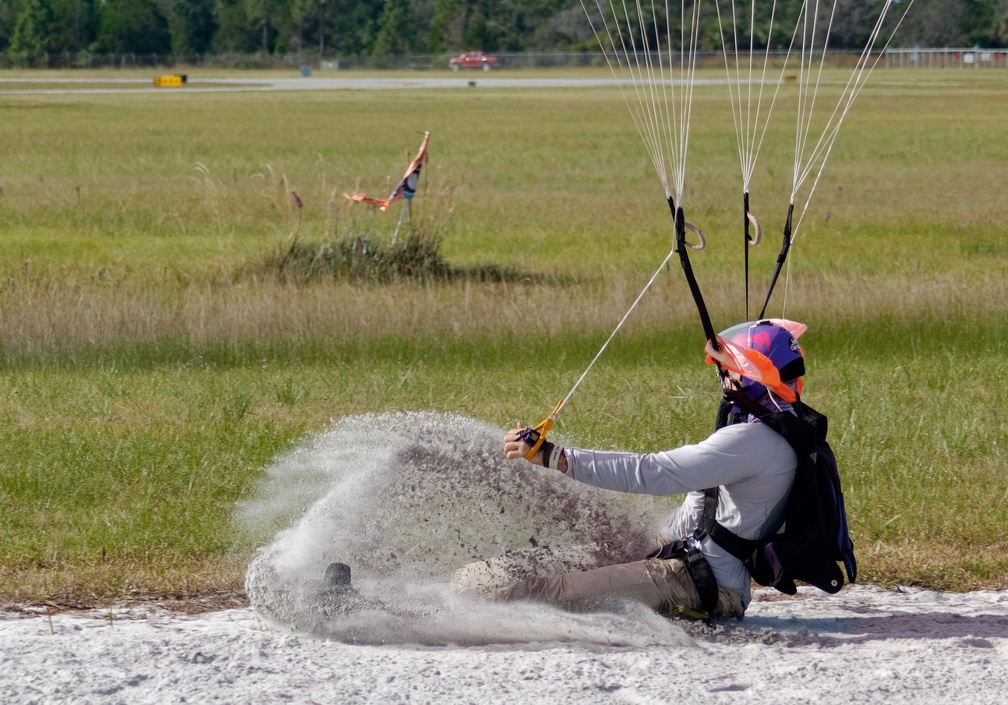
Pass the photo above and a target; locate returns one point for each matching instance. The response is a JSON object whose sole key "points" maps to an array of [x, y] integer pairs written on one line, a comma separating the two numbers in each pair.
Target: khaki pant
{"points": [[661, 584]]}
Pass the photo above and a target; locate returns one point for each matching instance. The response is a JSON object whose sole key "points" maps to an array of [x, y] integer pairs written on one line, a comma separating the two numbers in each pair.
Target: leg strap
{"points": [[700, 573]]}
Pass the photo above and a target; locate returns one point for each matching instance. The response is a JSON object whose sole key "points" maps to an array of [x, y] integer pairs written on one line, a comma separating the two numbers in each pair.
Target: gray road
{"points": [[299, 83]]}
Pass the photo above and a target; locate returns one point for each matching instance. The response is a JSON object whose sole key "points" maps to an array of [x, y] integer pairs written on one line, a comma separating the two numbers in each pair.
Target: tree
{"points": [[5, 24], [447, 25], [984, 18], [28, 36], [265, 16], [133, 27], [302, 20], [394, 30], [191, 25], [539, 24], [354, 26], [234, 32], [934, 23], [320, 28], [999, 29], [567, 29], [73, 25], [479, 35], [396, 27]]}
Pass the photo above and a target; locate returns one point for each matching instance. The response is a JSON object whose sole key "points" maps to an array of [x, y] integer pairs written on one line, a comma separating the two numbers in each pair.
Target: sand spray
{"points": [[414, 500]]}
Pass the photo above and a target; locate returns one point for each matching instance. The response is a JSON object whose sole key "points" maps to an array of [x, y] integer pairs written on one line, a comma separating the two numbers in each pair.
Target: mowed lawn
{"points": [[153, 361]]}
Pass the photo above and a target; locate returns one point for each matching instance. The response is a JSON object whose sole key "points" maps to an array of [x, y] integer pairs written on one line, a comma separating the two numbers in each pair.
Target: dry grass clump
{"points": [[356, 246], [360, 259]]}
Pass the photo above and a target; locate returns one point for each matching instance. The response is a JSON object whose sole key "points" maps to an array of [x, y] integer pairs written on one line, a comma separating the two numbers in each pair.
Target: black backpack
{"points": [[813, 536]]}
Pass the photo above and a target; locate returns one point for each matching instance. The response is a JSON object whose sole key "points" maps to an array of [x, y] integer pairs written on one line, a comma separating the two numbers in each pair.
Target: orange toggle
{"points": [[542, 429]]}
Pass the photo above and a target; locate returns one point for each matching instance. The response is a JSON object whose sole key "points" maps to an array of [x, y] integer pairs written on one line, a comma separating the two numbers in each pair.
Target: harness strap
{"points": [[700, 573], [787, 426], [703, 580], [708, 526]]}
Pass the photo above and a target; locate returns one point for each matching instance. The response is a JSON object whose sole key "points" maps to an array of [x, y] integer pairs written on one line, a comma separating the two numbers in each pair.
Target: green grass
{"points": [[152, 366]]}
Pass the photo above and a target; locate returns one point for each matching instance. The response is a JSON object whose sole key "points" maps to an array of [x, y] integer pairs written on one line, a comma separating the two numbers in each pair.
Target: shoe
{"points": [[338, 593], [337, 576]]}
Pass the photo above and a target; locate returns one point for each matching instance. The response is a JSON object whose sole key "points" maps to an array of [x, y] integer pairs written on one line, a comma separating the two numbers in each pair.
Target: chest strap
{"points": [[708, 526]]}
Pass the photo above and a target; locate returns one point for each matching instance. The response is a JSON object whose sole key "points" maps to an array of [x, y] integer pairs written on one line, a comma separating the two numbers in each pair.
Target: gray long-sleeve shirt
{"points": [[753, 465]]}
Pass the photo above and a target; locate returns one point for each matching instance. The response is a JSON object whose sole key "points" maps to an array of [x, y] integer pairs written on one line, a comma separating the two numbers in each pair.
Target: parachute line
{"points": [[615, 331], [660, 105], [643, 54], [752, 105], [859, 77], [748, 110]]}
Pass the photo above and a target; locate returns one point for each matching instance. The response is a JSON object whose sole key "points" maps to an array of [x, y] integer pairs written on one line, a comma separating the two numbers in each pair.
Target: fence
{"points": [[412, 62], [974, 58], [945, 58]]}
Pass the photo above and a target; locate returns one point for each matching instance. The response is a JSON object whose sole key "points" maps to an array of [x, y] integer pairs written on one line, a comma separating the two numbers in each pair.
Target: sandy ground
{"points": [[861, 646], [411, 513]]}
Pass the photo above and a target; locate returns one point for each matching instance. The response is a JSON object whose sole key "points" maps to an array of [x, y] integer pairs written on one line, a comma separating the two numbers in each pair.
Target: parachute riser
{"points": [[781, 258], [682, 248], [745, 247]]}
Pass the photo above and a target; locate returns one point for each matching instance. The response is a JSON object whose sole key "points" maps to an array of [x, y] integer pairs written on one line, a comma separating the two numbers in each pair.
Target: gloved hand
{"points": [[520, 440]]}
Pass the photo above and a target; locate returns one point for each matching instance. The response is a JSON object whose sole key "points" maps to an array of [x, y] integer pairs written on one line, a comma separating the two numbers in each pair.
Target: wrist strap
{"points": [[555, 454], [547, 449]]}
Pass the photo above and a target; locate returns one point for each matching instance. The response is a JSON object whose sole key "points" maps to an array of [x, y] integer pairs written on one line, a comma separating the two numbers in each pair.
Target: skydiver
{"points": [[753, 467]]}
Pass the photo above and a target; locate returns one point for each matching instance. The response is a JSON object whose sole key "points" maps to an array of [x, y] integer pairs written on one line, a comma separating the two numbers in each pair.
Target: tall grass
{"points": [[154, 361]]}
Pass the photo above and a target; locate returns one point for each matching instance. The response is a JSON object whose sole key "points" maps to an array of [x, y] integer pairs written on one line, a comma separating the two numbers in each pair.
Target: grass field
{"points": [[152, 366]]}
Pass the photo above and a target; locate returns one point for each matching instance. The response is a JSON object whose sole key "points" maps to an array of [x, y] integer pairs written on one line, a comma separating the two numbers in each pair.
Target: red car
{"points": [[472, 60]]}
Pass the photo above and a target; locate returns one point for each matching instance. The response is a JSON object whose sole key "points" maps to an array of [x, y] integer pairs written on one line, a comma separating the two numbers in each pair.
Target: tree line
{"points": [[404, 27]]}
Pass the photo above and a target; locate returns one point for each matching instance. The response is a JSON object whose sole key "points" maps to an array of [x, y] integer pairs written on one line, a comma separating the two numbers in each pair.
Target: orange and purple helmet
{"points": [[761, 355]]}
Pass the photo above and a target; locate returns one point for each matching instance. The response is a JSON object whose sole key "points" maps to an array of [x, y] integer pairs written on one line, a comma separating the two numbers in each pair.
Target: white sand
{"points": [[410, 499], [861, 646]]}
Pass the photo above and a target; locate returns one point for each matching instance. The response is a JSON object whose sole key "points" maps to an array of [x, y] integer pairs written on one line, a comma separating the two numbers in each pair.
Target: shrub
{"points": [[358, 250]]}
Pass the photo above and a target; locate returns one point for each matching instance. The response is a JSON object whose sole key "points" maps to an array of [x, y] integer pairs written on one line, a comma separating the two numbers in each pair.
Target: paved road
{"points": [[298, 83]]}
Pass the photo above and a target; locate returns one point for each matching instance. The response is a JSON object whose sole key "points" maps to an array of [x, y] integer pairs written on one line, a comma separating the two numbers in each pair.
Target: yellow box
{"points": [[169, 81]]}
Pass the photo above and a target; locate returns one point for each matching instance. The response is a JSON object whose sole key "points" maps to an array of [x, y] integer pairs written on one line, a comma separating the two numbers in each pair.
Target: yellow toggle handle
{"points": [[542, 429]]}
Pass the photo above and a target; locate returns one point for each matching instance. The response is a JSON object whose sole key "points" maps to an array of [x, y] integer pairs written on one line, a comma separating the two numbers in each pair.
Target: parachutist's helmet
{"points": [[775, 342]]}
